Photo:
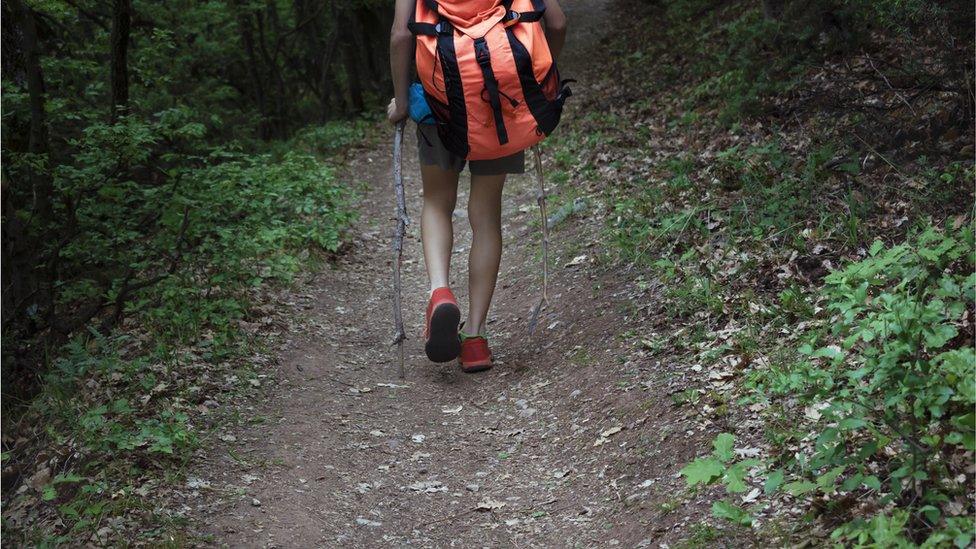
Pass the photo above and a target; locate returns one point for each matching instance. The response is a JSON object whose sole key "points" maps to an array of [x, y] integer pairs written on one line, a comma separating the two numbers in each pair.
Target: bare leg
{"points": [[485, 215], [436, 227]]}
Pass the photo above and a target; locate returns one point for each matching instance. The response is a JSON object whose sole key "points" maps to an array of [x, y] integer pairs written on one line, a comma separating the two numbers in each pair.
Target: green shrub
{"points": [[742, 58], [887, 395], [329, 138], [221, 226]]}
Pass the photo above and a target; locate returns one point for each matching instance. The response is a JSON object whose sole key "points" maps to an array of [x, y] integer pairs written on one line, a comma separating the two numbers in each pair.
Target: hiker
{"points": [[489, 89]]}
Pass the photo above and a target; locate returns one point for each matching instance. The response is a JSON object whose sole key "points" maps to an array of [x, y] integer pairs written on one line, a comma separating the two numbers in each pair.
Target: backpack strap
{"points": [[512, 17], [483, 57], [431, 29], [443, 26]]}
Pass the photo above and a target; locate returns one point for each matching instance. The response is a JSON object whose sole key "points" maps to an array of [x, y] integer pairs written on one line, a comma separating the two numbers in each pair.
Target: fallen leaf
{"points": [[751, 496], [813, 411], [40, 479], [489, 504], [605, 435], [578, 260], [428, 486], [194, 483], [747, 452]]}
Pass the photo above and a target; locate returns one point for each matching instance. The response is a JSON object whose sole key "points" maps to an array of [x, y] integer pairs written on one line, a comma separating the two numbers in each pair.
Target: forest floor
{"points": [[568, 441]]}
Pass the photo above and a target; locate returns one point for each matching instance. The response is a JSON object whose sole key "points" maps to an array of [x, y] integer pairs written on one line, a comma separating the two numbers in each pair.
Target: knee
{"points": [[483, 221], [441, 202]]}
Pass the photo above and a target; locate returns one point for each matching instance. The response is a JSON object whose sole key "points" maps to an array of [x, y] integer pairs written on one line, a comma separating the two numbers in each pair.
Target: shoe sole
{"points": [[443, 344], [476, 368]]}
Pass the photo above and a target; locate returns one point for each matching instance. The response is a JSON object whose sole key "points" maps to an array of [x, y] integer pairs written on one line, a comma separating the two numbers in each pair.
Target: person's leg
{"points": [[484, 213], [436, 226]]}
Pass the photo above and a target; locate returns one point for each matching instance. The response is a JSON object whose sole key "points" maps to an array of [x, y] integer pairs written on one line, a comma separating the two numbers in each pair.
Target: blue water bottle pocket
{"points": [[419, 109]]}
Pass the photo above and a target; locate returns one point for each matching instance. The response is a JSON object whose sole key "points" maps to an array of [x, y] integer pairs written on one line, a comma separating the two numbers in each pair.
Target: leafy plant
{"points": [[722, 466], [889, 387]]}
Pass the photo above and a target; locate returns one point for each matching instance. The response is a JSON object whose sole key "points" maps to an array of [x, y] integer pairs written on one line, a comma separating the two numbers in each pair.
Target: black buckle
{"points": [[481, 53], [512, 15]]}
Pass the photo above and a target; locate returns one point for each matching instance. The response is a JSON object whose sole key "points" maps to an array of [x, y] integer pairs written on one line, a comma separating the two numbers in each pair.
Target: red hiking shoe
{"points": [[475, 355], [441, 328]]}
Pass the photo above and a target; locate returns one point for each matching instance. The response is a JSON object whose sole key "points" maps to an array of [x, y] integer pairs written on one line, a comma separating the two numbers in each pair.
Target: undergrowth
{"points": [[117, 415], [829, 279]]}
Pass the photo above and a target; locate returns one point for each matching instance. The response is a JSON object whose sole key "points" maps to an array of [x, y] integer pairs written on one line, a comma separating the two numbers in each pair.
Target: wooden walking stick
{"points": [[540, 199], [401, 228]]}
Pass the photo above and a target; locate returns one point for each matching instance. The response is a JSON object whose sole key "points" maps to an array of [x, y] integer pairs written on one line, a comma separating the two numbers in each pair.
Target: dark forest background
{"points": [[115, 112], [165, 167]]}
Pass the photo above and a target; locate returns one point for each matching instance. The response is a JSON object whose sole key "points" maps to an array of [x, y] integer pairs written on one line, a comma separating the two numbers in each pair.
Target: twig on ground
{"points": [[450, 517], [401, 228], [881, 156], [540, 198], [892, 88], [339, 381]]}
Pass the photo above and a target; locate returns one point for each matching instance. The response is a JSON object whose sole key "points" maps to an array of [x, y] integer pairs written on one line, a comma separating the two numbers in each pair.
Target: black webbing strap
{"points": [[428, 29], [431, 29], [512, 17], [483, 56]]}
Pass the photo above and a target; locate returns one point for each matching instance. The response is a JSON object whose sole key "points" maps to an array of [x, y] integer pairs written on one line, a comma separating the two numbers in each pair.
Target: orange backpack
{"points": [[487, 74]]}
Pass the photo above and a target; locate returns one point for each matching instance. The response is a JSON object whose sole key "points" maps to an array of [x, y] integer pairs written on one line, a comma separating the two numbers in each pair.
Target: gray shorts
{"points": [[432, 152]]}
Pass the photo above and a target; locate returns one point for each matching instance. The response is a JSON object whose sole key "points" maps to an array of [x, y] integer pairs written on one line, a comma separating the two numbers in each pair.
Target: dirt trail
{"points": [[558, 446]]}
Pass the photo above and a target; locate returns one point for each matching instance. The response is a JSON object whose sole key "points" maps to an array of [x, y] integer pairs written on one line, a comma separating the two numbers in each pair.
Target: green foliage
{"points": [[731, 513], [219, 224], [329, 139], [168, 222], [723, 466], [250, 216], [117, 437], [747, 57], [871, 429], [107, 208], [891, 389], [751, 68]]}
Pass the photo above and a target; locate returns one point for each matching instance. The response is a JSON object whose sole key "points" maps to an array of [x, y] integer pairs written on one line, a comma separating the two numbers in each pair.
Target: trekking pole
{"points": [[401, 228], [540, 199]]}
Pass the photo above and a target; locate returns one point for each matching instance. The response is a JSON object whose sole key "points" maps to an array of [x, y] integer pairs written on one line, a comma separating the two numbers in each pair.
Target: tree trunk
{"points": [[372, 27], [119, 75], [350, 56], [278, 101], [32, 271], [326, 83], [312, 44], [773, 9], [253, 67]]}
